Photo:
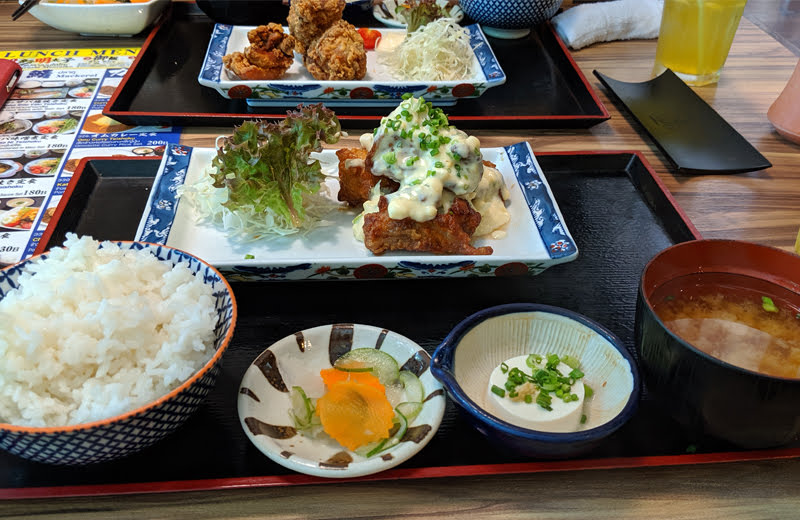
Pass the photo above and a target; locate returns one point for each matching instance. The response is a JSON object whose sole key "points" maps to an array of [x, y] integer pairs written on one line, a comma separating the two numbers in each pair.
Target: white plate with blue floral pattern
{"points": [[378, 88], [535, 238]]}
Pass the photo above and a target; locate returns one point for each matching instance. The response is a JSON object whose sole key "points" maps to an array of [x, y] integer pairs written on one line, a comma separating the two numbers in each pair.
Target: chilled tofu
{"points": [[564, 417]]}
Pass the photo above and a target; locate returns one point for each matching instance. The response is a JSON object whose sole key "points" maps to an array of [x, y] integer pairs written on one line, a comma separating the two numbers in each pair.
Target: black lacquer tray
{"points": [[619, 214], [545, 88]]}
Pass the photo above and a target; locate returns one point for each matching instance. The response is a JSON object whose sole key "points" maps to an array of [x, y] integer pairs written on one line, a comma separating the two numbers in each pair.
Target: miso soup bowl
{"points": [[465, 359], [705, 395]]}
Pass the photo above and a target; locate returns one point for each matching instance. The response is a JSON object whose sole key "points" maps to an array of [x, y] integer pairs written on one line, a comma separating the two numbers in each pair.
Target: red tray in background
{"points": [[545, 87]]}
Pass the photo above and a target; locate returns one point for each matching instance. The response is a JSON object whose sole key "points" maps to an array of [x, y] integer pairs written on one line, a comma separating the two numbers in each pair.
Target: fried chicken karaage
{"points": [[355, 179], [447, 233], [269, 55], [308, 19], [338, 54], [442, 193]]}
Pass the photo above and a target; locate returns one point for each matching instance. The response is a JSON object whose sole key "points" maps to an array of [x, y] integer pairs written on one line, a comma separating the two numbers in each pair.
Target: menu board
{"points": [[52, 119]]}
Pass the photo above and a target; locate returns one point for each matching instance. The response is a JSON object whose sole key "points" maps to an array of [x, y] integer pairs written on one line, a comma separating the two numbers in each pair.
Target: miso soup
{"points": [[741, 320]]}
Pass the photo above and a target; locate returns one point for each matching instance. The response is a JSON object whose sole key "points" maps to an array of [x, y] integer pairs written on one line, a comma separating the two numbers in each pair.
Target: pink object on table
{"points": [[784, 114]]}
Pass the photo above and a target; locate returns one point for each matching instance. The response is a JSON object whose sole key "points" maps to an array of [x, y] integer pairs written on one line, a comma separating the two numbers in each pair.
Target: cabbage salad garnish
{"points": [[437, 51], [264, 181]]}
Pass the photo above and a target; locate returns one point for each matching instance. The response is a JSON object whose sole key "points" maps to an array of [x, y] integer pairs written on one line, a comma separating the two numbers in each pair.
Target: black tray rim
{"points": [[222, 119]]}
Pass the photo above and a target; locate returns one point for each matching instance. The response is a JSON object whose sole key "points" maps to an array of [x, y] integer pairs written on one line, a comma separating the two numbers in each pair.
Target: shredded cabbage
{"points": [[264, 181], [245, 224], [437, 51]]}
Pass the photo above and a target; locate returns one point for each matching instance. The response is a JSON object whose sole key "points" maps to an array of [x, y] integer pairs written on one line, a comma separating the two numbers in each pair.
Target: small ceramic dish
{"points": [[510, 19], [114, 19], [466, 358], [296, 360], [386, 13]]}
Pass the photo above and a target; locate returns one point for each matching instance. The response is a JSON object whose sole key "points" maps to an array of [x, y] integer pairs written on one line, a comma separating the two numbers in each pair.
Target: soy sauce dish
{"points": [[718, 333], [340, 401], [579, 383]]}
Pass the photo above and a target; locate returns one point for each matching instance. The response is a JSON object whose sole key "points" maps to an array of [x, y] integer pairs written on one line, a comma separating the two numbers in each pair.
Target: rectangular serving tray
{"points": [[612, 201], [544, 89]]}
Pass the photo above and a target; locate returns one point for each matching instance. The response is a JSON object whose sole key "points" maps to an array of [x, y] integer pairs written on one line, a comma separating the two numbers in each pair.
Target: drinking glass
{"points": [[695, 37]]}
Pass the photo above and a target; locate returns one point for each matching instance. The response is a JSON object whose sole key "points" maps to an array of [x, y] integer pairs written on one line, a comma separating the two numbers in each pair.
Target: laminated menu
{"points": [[52, 119]]}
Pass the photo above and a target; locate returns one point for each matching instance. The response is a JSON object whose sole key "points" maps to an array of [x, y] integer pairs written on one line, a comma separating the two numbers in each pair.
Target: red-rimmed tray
{"points": [[545, 87], [618, 212]]}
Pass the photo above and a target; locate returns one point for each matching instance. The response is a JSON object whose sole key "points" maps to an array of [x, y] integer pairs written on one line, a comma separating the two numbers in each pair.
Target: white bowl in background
{"points": [[118, 19]]}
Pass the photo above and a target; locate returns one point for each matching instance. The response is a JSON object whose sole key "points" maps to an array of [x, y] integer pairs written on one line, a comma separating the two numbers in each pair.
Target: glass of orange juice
{"points": [[695, 38]]}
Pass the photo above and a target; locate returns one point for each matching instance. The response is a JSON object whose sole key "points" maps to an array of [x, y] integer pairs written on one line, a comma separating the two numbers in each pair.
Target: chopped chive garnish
{"points": [[498, 391], [768, 304], [548, 381], [587, 391], [248, 257], [583, 419], [544, 400]]}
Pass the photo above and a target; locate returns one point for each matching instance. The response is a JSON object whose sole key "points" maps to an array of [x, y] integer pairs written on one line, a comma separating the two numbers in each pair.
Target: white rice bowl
{"points": [[90, 333]]}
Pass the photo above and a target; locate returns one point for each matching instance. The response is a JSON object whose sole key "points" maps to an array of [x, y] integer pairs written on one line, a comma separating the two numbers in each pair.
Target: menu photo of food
{"points": [[35, 88], [107, 88], [19, 213], [97, 123], [39, 122], [38, 162]]}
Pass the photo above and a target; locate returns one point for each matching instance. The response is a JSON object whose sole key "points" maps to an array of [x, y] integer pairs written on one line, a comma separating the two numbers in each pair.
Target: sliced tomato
{"points": [[370, 37]]}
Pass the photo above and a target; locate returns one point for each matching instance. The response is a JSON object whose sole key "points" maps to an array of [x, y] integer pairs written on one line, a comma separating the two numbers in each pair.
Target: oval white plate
{"points": [[296, 360]]}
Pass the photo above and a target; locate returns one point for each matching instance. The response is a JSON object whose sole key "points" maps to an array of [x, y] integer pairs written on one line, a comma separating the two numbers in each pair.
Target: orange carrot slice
{"points": [[332, 376], [355, 412]]}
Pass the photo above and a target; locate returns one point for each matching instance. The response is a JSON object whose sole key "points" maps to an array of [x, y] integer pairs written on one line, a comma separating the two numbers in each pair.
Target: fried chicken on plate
{"points": [[308, 19], [269, 55], [338, 54], [441, 194], [446, 233], [355, 179]]}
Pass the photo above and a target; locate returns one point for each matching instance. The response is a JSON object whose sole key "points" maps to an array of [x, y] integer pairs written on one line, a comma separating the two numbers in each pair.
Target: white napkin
{"points": [[586, 24]]}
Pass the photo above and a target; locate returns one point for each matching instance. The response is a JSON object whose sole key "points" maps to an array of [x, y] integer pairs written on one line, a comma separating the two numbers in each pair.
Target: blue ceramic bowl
{"points": [[130, 432], [468, 355], [509, 18]]}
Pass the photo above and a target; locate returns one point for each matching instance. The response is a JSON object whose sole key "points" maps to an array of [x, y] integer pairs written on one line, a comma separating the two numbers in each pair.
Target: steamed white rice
{"points": [[91, 333]]}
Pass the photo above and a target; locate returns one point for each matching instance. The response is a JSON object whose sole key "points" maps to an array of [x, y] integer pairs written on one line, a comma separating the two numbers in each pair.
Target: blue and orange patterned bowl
{"points": [[509, 19], [130, 432]]}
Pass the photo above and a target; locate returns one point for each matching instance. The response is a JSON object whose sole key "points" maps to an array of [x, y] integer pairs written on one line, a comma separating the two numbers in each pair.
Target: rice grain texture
{"points": [[91, 333]]}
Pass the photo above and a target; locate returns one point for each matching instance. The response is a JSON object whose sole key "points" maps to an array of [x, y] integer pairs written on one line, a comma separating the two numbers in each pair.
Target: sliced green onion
{"points": [[583, 419], [768, 304], [587, 391], [498, 391], [248, 257]]}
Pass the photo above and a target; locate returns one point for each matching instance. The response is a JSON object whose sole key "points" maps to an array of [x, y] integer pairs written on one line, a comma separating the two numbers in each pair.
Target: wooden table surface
{"points": [[762, 206]]}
